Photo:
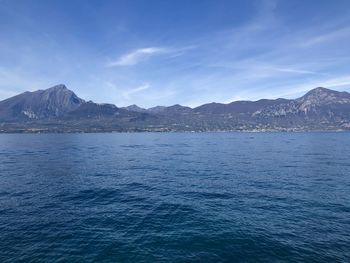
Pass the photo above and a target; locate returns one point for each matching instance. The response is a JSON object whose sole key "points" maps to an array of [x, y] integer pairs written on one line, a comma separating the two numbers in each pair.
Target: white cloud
{"points": [[137, 56], [142, 54], [136, 90], [125, 94], [337, 82], [296, 71], [332, 35]]}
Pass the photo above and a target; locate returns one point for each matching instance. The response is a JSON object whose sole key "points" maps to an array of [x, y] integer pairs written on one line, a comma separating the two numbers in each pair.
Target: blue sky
{"points": [[166, 52]]}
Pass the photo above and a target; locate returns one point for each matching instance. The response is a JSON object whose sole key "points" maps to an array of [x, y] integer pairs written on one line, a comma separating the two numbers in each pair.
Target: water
{"points": [[175, 197]]}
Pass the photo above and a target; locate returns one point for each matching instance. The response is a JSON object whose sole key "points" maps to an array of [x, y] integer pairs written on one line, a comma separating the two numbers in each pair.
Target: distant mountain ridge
{"points": [[59, 109]]}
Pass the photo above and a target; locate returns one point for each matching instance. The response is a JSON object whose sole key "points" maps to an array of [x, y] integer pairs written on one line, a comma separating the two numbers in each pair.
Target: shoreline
{"points": [[137, 132]]}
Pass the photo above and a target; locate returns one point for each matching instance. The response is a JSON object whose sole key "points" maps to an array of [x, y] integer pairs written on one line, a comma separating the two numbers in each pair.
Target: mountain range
{"points": [[59, 109]]}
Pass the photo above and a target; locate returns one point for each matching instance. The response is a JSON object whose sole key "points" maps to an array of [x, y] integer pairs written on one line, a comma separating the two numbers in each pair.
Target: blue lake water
{"points": [[175, 197]]}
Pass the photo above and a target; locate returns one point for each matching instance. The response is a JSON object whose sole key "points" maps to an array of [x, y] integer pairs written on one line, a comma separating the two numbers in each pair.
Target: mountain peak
{"points": [[319, 91], [320, 97], [135, 108], [40, 104], [58, 87], [60, 95]]}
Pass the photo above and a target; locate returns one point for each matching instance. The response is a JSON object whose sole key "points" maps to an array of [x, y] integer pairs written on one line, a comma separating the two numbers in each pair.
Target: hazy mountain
{"points": [[59, 109], [135, 108], [90, 110], [156, 109], [246, 107], [175, 110]]}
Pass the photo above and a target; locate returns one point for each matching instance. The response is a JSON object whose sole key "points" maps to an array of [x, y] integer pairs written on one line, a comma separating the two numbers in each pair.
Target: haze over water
{"points": [[174, 197]]}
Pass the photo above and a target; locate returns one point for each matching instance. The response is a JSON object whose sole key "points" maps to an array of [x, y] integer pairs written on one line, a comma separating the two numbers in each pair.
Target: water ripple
{"points": [[175, 197]]}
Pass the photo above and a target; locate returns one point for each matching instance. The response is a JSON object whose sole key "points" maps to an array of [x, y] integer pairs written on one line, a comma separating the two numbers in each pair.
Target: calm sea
{"points": [[175, 197]]}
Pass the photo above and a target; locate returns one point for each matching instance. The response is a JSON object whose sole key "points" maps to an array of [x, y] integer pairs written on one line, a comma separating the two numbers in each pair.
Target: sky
{"points": [[166, 52]]}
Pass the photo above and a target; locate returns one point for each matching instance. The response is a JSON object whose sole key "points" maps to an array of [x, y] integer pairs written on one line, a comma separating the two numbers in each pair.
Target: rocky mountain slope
{"points": [[41, 104]]}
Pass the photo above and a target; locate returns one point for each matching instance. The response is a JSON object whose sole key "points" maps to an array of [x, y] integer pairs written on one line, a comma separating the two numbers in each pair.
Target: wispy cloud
{"points": [[136, 90], [126, 93], [137, 56], [340, 81], [143, 54], [146, 95], [334, 35], [296, 71]]}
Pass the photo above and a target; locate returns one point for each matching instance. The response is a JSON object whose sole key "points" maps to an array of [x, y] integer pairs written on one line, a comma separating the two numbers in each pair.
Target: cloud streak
{"points": [[126, 94], [335, 35], [136, 90], [137, 56], [142, 54]]}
